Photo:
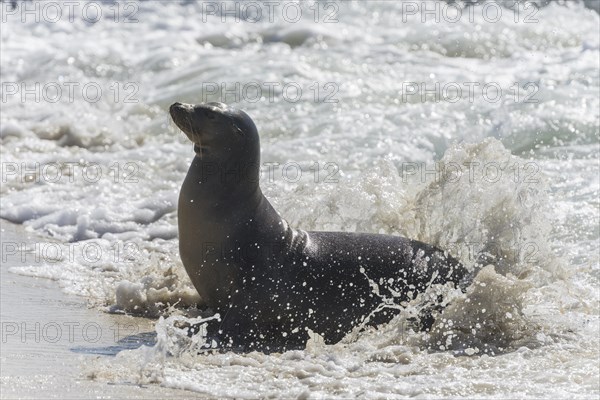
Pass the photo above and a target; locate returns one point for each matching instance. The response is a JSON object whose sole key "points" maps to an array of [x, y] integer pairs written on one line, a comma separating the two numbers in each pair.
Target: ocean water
{"points": [[475, 129]]}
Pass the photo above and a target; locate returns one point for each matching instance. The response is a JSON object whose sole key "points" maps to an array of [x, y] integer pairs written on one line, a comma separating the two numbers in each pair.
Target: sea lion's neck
{"points": [[227, 201], [216, 181]]}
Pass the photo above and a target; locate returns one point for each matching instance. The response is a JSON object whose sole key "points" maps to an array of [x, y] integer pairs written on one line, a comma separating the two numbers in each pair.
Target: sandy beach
{"points": [[49, 337]]}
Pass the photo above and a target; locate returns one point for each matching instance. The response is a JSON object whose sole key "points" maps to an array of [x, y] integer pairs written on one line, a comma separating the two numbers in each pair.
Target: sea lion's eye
{"points": [[237, 129]]}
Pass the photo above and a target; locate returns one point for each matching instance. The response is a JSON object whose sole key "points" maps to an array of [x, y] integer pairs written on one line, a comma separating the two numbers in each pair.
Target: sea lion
{"points": [[270, 283]]}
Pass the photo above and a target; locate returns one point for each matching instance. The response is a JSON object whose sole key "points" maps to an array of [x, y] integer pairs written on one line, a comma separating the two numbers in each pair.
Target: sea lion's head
{"points": [[219, 132]]}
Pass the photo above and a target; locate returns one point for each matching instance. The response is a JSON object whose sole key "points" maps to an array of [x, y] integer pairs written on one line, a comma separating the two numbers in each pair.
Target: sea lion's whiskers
{"points": [[193, 130]]}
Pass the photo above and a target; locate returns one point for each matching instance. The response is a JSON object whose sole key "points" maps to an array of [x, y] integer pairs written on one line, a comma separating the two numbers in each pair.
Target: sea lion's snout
{"points": [[183, 116], [178, 112]]}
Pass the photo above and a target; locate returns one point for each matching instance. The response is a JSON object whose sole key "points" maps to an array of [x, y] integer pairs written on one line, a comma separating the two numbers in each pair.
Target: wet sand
{"points": [[50, 338]]}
